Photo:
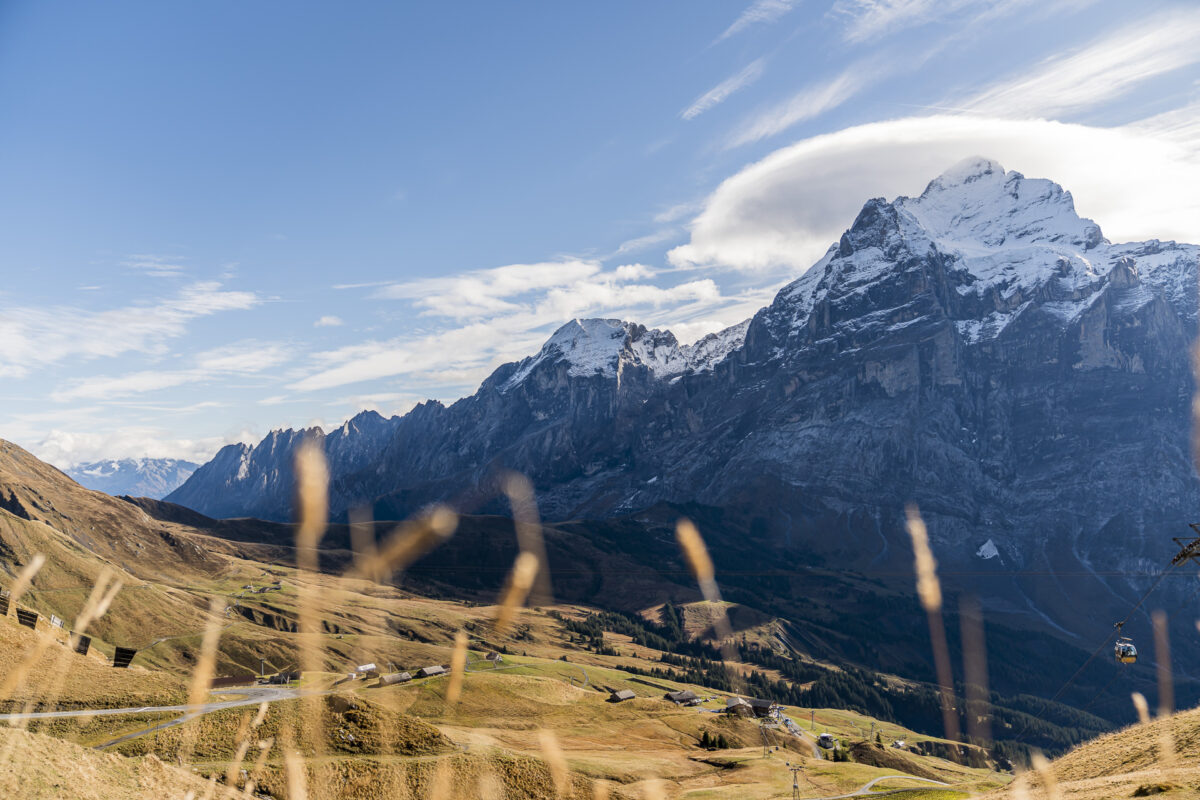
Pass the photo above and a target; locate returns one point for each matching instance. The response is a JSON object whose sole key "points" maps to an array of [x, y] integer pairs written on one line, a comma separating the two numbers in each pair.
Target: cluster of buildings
{"points": [[740, 706]]}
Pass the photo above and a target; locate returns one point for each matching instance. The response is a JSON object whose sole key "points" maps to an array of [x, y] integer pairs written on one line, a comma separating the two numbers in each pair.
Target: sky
{"points": [[221, 218]]}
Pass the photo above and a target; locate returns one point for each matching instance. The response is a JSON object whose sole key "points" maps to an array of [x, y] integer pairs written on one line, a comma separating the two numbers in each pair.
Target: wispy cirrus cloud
{"points": [[640, 243], [242, 358], [155, 266], [869, 20], [35, 337], [760, 12], [722, 91], [811, 101], [1100, 72]]}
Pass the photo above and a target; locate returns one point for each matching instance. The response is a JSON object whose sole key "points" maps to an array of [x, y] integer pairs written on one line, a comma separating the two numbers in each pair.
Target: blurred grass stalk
{"points": [[929, 591]]}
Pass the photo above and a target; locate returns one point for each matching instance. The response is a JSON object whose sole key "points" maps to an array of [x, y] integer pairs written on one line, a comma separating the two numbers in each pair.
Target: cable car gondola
{"points": [[1125, 652]]}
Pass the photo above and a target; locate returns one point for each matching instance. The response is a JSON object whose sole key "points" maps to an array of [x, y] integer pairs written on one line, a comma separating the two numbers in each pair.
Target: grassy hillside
{"points": [[1156, 759], [539, 724], [35, 767]]}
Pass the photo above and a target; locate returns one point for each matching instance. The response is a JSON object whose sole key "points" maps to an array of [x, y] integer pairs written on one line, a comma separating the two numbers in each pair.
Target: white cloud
{"points": [[633, 272], [722, 91], [34, 337], [493, 317], [760, 12], [784, 211], [1180, 125], [244, 358], [487, 291], [328, 321], [809, 102], [65, 448], [1100, 72]]}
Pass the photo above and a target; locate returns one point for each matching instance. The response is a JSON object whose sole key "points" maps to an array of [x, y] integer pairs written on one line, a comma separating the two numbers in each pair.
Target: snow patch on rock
{"points": [[988, 551]]}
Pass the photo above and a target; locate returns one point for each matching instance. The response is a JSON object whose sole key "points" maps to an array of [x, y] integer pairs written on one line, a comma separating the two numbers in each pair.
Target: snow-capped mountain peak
{"points": [[604, 347], [976, 204], [1000, 240]]}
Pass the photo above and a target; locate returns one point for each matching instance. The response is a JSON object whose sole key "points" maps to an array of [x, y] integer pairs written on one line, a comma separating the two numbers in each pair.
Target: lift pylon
{"points": [[1189, 549]]}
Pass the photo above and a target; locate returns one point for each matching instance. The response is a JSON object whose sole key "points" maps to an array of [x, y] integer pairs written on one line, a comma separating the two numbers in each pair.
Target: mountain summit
{"points": [[980, 349]]}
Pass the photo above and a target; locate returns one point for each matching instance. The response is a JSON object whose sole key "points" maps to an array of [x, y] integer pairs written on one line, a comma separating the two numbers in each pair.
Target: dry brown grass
{"points": [[1116, 764], [93, 683], [41, 767]]}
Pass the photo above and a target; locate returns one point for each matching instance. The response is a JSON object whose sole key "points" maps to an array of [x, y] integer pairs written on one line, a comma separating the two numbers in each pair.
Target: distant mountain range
{"points": [[980, 350], [137, 477]]}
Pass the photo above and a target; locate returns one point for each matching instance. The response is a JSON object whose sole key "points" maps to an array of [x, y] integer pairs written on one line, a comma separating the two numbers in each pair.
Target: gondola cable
{"points": [[1116, 631]]}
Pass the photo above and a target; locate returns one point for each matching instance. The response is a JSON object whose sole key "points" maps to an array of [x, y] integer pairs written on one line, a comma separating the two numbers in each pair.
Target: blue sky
{"points": [[221, 218]]}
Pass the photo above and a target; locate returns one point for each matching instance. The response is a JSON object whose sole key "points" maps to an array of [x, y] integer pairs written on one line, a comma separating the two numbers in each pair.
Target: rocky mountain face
{"points": [[980, 350], [136, 477]]}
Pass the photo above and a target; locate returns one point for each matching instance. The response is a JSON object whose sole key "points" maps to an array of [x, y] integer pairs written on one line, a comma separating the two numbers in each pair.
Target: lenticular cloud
{"points": [[785, 210]]}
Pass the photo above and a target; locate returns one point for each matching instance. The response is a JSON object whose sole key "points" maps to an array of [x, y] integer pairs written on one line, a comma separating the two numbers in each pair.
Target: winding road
{"points": [[253, 695], [248, 696], [865, 789]]}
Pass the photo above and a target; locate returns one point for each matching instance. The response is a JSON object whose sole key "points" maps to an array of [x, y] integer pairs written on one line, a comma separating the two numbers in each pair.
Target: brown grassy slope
{"points": [[1164, 753], [878, 755], [118, 532], [369, 751], [1132, 749], [90, 682], [352, 726], [35, 767]]}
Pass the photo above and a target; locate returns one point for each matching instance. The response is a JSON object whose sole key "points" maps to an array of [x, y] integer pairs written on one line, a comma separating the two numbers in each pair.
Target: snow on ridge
{"points": [[1011, 236], [976, 205], [704, 354], [604, 346]]}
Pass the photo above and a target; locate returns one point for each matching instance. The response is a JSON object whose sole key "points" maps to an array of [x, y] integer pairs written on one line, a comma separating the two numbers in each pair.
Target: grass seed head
{"points": [[28, 572], [407, 543], [1142, 707], [694, 551], [929, 590], [520, 581], [556, 761], [1042, 767], [458, 665]]}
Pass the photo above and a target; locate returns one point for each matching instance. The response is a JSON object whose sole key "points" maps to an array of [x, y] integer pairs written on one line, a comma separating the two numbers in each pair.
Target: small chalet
{"points": [[494, 657], [394, 678], [621, 696], [685, 698], [426, 672], [739, 706], [762, 708]]}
